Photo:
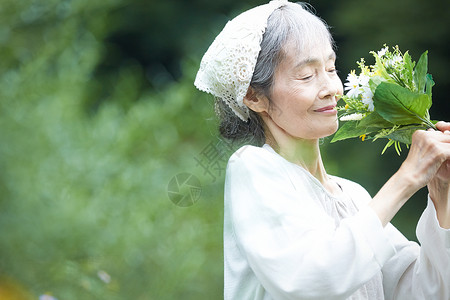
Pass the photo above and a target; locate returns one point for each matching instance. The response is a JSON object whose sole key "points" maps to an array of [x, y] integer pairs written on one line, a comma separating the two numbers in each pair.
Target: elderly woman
{"points": [[291, 230]]}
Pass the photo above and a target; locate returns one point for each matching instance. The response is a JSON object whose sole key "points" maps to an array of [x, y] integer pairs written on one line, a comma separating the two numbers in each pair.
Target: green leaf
{"points": [[374, 82], [404, 135], [380, 67], [375, 120], [350, 129], [409, 66], [429, 84], [420, 72], [399, 105]]}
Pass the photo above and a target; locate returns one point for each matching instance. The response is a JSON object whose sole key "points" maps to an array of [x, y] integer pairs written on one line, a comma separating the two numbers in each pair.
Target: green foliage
{"points": [[399, 105], [83, 195], [397, 93], [375, 120], [420, 73], [351, 129]]}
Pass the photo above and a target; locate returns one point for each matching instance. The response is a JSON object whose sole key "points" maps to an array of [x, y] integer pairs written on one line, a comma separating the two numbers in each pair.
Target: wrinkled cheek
{"points": [[339, 87], [307, 127]]}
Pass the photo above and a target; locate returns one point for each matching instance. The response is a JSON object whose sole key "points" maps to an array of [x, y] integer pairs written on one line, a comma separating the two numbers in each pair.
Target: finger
{"points": [[441, 135], [444, 136], [430, 137], [443, 126]]}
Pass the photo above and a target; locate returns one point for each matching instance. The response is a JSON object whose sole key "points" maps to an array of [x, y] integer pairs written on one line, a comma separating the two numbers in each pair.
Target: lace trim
{"points": [[227, 67]]}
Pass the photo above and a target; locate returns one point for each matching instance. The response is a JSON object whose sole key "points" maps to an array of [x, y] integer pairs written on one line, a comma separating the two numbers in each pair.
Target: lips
{"points": [[326, 108]]}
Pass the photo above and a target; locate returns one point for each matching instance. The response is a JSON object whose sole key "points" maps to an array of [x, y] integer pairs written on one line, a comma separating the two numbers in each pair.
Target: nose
{"points": [[330, 85]]}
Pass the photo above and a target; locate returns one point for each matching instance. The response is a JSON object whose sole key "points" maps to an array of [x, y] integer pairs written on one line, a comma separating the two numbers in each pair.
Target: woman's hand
{"points": [[439, 186], [443, 174], [427, 163], [428, 158]]}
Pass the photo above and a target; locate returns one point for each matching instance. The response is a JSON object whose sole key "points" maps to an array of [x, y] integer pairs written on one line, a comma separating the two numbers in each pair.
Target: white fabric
{"points": [[286, 237], [227, 67]]}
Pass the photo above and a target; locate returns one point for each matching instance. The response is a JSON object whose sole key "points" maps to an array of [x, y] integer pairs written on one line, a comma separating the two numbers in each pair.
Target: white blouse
{"points": [[287, 237]]}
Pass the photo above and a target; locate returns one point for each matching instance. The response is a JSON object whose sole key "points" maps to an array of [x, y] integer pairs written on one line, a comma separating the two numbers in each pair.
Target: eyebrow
{"points": [[310, 61]]}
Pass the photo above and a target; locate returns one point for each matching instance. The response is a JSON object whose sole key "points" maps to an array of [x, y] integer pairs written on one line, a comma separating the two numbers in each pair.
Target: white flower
{"points": [[394, 60], [382, 52], [364, 80], [352, 117], [352, 85], [367, 98], [398, 58]]}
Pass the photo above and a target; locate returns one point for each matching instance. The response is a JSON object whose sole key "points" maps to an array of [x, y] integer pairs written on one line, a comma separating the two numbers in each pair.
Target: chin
{"points": [[331, 130], [317, 131], [335, 128], [322, 134]]}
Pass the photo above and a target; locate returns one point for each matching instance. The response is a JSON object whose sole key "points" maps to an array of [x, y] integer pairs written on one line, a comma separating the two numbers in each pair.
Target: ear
{"points": [[257, 103]]}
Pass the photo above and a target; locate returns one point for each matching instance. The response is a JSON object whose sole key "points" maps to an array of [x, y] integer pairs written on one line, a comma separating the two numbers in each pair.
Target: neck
{"points": [[305, 153]]}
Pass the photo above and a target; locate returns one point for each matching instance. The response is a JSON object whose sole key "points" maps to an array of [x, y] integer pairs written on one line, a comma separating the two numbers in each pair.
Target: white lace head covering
{"points": [[227, 67]]}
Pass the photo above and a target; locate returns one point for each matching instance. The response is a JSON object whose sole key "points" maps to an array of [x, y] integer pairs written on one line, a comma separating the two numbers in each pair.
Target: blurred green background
{"points": [[98, 114]]}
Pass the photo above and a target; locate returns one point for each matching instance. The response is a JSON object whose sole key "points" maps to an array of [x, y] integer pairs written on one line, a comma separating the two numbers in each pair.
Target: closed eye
{"points": [[333, 70], [306, 78]]}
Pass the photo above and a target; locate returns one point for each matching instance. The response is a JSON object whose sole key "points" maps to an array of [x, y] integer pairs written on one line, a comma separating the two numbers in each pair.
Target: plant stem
{"points": [[429, 124]]}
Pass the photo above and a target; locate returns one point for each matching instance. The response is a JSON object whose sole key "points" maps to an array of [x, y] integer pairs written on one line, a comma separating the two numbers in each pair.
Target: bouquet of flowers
{"points": [[389, 99]]}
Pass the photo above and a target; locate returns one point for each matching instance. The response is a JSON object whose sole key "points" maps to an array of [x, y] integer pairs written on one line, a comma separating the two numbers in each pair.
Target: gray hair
{"points": [[292, 23]]}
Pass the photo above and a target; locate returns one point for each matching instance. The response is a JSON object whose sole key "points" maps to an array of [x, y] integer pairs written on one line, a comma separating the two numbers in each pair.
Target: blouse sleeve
{"points": [[420, 273], [294, 248]]}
